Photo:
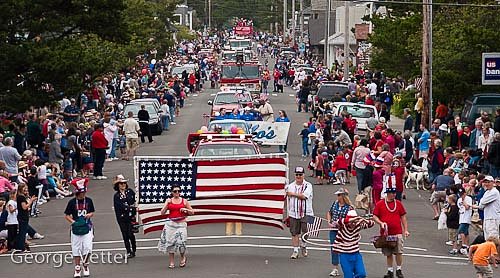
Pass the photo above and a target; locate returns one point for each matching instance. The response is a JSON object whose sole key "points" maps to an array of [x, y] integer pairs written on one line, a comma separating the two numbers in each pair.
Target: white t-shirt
{"points": [[465, 214], [12, 217], [296, 207]]}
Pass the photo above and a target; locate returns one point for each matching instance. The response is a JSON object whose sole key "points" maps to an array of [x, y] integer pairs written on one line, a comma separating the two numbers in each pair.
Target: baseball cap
{"points": [[341, 191], [299, 170], [390, 190], [489, 178]]}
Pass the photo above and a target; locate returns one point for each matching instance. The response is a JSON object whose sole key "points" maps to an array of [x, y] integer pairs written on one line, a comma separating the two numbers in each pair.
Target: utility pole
{"points": [[327, 32], [209, 14], [346, 40], [426, 72], [285, 8], [301, 21], [294, 22]]}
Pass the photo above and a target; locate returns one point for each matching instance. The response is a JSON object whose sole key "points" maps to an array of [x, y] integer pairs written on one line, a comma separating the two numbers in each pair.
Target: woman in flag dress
{"points": [[174, 235]]}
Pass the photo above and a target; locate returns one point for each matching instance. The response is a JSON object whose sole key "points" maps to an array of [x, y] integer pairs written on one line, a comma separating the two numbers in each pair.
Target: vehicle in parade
{"points": [[229, 100], [240, 44], [228, 125], [359, 112], [230, 55], [153, 111], [241, 74], [177, 71], [223, 145]]}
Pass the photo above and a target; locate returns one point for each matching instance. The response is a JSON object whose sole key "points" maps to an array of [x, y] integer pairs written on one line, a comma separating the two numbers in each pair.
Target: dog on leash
{"points": [[417, 174]]}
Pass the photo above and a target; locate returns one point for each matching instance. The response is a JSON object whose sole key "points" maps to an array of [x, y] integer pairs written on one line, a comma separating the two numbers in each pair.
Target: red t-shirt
{"points": [[399, 172], [393, 219]]}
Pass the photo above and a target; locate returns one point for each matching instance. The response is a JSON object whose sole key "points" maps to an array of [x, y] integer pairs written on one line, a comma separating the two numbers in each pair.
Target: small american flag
{"points": [[243, 189], [418, 83], [313, 224]]}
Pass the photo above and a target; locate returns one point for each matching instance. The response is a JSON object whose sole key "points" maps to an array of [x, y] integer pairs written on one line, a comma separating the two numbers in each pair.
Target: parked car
{"points": [[478, 103], [327, 90], [154, 114], [359, 112]]}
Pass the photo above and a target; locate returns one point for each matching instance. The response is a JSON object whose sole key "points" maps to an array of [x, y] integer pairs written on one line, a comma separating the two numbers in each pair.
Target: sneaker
{"points": [[334, 273], [453, 252], [38, 236], [464, 251], [95, 177], [78, 272], [399, 273], [389, 274], [86, 271], [295, 255], [131, 255], [109, 159], [449, 243], [102, 178], [304, 251], [59, 197], [174, 123]]}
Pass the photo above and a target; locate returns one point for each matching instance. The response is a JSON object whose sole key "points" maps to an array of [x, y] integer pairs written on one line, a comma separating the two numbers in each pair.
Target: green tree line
{"points": [[460, 35], [50, 46]]}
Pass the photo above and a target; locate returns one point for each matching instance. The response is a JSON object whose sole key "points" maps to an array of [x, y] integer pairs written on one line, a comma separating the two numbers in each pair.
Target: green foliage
{"points": [[59, 42], [460, 36], [406, 99], [184, 33]]}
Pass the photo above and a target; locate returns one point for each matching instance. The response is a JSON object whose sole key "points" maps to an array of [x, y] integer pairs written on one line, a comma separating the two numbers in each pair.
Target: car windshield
{"points": [[230, 56], [239, 44], [329, 91], [227, 126], [225, 99], [357, 111], [136, 107], [225, 150], [240, 72], [244, 96]]}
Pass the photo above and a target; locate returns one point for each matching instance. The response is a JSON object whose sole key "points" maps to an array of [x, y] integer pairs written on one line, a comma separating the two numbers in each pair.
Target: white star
{"points": [[190, 165], [141, 200], [182, 193], [170, 165], [148, 178], [189, 187], [169, 187], [143, 164], [176, 172], [141, 178], [169, 178], [176, 165], [155, 193], [150, 164], [170, 171], [155, 186], [148, 193], [183, 171], [183, 165], [183, 187], [190, 172], [156, 171], [162, 186], [148, 186], [157, 164], [143, 171], [162, 178], [163, 164], [161, 193], [150, 171], [163, 171], [147, 200], [161, 200], [143, 186], [189, 179], [155, 178], [154, 200], [176, 178], [188, 193], [183, 178], [169, 193]]}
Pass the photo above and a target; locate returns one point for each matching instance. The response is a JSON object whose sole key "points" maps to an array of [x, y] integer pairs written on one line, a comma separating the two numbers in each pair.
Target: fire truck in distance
{"points": [[241, 73]]}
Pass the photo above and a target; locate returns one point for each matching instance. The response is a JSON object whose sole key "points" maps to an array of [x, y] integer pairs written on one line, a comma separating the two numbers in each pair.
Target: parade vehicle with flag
{"points": [[230, 55], [239, 44], [229, 99], [246, 189]]}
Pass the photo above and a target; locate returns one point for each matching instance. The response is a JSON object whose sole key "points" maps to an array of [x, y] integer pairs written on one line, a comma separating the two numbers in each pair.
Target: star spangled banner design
{"points": [[240, 189]]}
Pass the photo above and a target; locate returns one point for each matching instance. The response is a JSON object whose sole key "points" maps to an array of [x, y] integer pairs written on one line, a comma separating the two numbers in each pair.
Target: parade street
{"points": [[260, 252]]}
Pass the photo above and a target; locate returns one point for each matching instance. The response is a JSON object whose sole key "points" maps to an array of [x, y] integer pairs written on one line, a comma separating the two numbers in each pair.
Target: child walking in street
{"points": [[483, 257]]}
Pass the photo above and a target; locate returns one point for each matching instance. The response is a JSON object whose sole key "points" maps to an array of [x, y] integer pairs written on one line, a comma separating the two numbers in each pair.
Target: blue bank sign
{"points": [[491, 69]]}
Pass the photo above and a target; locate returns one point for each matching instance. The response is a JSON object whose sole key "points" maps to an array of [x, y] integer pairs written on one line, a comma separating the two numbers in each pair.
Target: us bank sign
{"points": [[491, 69]]}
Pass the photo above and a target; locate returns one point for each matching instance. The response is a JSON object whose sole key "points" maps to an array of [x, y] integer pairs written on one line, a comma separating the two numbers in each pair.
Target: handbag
{"points": [[385, 241], [80, 227], [442, 221]]}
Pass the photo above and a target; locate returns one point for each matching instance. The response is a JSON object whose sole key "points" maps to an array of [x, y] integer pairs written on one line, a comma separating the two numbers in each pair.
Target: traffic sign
{"points": [[491, 69]]}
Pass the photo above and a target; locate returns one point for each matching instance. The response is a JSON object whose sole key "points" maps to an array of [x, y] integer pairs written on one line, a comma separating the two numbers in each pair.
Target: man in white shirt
{"points": [[372, 89], [298, 197], [266, 111], [490, 204], [464, 204], [131, 129]]}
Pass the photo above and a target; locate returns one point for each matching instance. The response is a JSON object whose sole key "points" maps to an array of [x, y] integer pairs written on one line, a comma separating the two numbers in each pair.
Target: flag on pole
{"points": [[243, 189], [418, 83], [313, 224]]}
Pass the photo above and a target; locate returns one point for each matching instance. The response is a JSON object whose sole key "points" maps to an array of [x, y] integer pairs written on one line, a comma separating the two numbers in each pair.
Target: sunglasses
{"points": [[299, 175], [176, 191]]}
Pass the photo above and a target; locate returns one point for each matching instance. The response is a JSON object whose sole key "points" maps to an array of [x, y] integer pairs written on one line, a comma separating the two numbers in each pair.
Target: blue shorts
{"points": [[463, 229]]}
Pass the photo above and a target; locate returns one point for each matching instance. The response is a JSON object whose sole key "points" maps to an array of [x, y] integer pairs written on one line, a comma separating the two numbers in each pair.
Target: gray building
{"points": [[317, 24]]}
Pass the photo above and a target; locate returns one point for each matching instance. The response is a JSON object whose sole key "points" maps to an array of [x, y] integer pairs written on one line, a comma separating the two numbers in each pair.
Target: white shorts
{"points": [[490, 228], [3, 234], [82, 245]]}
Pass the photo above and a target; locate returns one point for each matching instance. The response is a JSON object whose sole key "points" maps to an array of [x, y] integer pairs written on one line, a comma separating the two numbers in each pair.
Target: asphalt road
{"points": [[260, 252]]}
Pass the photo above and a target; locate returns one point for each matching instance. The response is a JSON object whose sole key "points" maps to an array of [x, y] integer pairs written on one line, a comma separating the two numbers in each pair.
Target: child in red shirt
{"points": [[340, 167]]}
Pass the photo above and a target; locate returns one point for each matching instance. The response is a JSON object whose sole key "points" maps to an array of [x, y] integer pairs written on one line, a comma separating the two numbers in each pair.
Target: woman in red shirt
{"points": [[99, 145], [174, 235]]}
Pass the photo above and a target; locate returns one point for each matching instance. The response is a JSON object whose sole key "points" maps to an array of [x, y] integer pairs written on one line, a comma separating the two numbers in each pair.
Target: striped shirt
{"points": [[297, 208], [348, 236]]}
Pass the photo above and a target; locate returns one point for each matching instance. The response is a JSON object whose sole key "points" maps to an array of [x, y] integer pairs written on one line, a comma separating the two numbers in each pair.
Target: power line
{"points": [[429, 4]]}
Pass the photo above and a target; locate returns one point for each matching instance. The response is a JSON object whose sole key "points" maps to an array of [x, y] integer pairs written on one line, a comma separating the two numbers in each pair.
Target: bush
{"points": [[405, 99]]}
